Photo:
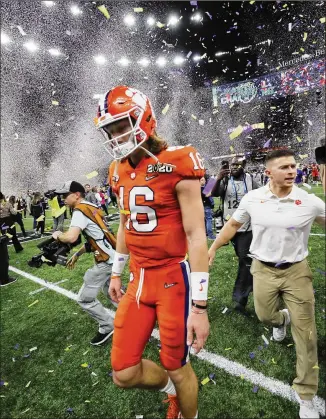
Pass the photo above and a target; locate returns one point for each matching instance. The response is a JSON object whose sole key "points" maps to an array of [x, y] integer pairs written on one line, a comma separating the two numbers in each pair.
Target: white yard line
{"points": [[233, 368]]}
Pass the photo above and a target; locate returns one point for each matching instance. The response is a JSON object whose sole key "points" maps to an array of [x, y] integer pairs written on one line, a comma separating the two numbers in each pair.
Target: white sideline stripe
{"points": [[317, 234], [231, 367]]}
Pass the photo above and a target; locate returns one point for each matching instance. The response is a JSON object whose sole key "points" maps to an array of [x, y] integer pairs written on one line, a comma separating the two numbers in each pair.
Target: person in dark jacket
{"points": [[37, 210], [7, 223], [208, 203], [18, 218]]}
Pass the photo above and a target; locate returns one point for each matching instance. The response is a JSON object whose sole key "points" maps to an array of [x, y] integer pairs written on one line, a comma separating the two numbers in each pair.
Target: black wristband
{"points": [[199, 306]]}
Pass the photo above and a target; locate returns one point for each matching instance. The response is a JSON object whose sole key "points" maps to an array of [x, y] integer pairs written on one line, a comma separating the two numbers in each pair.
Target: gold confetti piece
{"points": [[125, 212], [33, 349], [305, 36], [51, 371], [164, 111], [303, 156], [27, 385], [231, 106], [302, 49], [86, 352], [87, 401], [242, 377], [68, 348], [9, 235], [236, 132], [315, 367], [285, 5], [41, 218], [193, 116], [273, 107], [44, 259], [104, 10], [55, 103], [205, 381], [92, 174], [322, 20], [228, 217], [25, 410], [299, 139], [215, 81], [138, 9], [227, 349], [35, 302], [6, 384], [273, 361], [84, 365], [13, 226], [252, 2], [261, 125], [160, 25], [290, 344], [231, 148], [291, 108]]}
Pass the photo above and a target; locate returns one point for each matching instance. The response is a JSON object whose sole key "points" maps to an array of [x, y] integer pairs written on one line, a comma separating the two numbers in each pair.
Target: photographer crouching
{"points": [[88, 220]]}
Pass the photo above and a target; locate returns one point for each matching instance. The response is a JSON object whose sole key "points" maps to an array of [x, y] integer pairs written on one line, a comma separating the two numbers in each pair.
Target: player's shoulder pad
{"points": [[186, 160]]}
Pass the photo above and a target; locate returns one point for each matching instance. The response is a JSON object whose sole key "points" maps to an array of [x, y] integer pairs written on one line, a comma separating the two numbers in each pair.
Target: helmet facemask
{"points": [[136, 135]]}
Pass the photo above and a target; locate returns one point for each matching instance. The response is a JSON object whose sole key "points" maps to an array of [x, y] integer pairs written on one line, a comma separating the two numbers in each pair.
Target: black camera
{"points": [[53, 252], [50, 194]]}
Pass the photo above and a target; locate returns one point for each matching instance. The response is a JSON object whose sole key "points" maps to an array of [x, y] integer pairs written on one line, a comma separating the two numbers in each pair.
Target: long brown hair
{"points": [[36, 198], [156, 144]]}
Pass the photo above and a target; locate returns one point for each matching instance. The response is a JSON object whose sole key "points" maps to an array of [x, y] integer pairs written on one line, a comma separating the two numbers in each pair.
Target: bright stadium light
{"points": [[124, 62], [173, 21], [144, 62], [31, 46], [55, 52], [178, 60], [151, 21], [5, 38], [196, 58], [100, 59], [48, 3], [197, 17], [129, 20], [161, 61], [75, 10]]}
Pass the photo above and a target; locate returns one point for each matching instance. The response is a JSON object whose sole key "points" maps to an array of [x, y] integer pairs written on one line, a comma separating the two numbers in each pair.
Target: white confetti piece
{"points": [[27, 385], [201, 122], [21, 30], [189, 54], [265, 339], [33, 349], [225, 310]]}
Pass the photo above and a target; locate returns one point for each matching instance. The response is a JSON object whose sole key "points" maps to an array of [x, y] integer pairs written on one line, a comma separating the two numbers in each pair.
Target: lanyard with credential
{"points": [[235, 189]]}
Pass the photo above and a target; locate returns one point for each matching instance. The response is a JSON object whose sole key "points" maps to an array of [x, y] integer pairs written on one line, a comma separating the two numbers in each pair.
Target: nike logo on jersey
{"points": [[170, 285], [150, 177]]}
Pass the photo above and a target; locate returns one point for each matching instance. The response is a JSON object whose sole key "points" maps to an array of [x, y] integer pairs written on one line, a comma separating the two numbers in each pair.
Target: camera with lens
{"points": [[50, 194], [52, 252]]}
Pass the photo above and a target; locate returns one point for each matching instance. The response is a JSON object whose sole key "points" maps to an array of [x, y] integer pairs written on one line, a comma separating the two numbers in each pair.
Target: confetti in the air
{"points": [[104, 10]]}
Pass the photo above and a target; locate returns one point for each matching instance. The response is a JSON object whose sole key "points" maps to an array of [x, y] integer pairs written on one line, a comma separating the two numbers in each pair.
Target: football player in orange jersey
{"points": [[161, 219]]}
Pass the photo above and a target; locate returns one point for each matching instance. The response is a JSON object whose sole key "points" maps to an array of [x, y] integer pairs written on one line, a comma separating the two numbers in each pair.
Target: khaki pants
{"points": [[294, 287]]}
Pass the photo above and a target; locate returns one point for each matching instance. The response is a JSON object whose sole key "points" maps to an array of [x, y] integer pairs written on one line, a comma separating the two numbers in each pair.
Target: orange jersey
{"points": [[154, 232]]}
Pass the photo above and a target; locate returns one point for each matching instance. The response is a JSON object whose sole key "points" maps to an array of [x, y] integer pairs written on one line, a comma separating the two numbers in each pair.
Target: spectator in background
{"points": [[305, 174], [258, 177], [28, 201], [18, 218], [231, 189], [112, 196], [315, 174], [7, 223], [298, 179], [103, 201], [37, 211], [321, 160], [208, 203], [90, 195]]}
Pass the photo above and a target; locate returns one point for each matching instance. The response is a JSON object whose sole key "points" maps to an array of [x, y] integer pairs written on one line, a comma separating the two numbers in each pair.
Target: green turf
{"points": [[55, 322]]}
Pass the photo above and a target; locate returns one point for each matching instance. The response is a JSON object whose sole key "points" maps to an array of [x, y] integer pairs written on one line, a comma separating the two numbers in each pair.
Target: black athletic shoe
{"points": [[10, 280], [100, 338]]}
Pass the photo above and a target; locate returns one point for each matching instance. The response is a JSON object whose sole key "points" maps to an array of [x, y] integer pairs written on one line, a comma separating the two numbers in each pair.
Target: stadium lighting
{"points": [[100, 59], [129, 20], [161, 61], [48, 3], [55, 52], [31, 46], [75, 10], [144, 62], [196, 58], [173, 21], [124, 62], [151, 21], [4, 38], [178, 60], [197, 17]]}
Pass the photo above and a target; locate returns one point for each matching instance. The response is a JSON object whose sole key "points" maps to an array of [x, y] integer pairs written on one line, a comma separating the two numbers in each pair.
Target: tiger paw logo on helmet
{"points": [[134, 111]]}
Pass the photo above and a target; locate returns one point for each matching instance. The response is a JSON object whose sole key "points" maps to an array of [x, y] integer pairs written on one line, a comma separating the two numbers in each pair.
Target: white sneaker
{"points": [[307, 409], [279, 333]]}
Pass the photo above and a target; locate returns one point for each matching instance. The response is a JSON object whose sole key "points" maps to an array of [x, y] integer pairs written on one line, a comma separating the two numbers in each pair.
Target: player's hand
{"points": [[197, 330], [211, 256], [72, 262], [115, 288], [56, 234]]}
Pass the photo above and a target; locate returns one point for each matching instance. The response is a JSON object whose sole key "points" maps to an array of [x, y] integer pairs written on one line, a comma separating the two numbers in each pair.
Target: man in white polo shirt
{"points": [[281, 216]]}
